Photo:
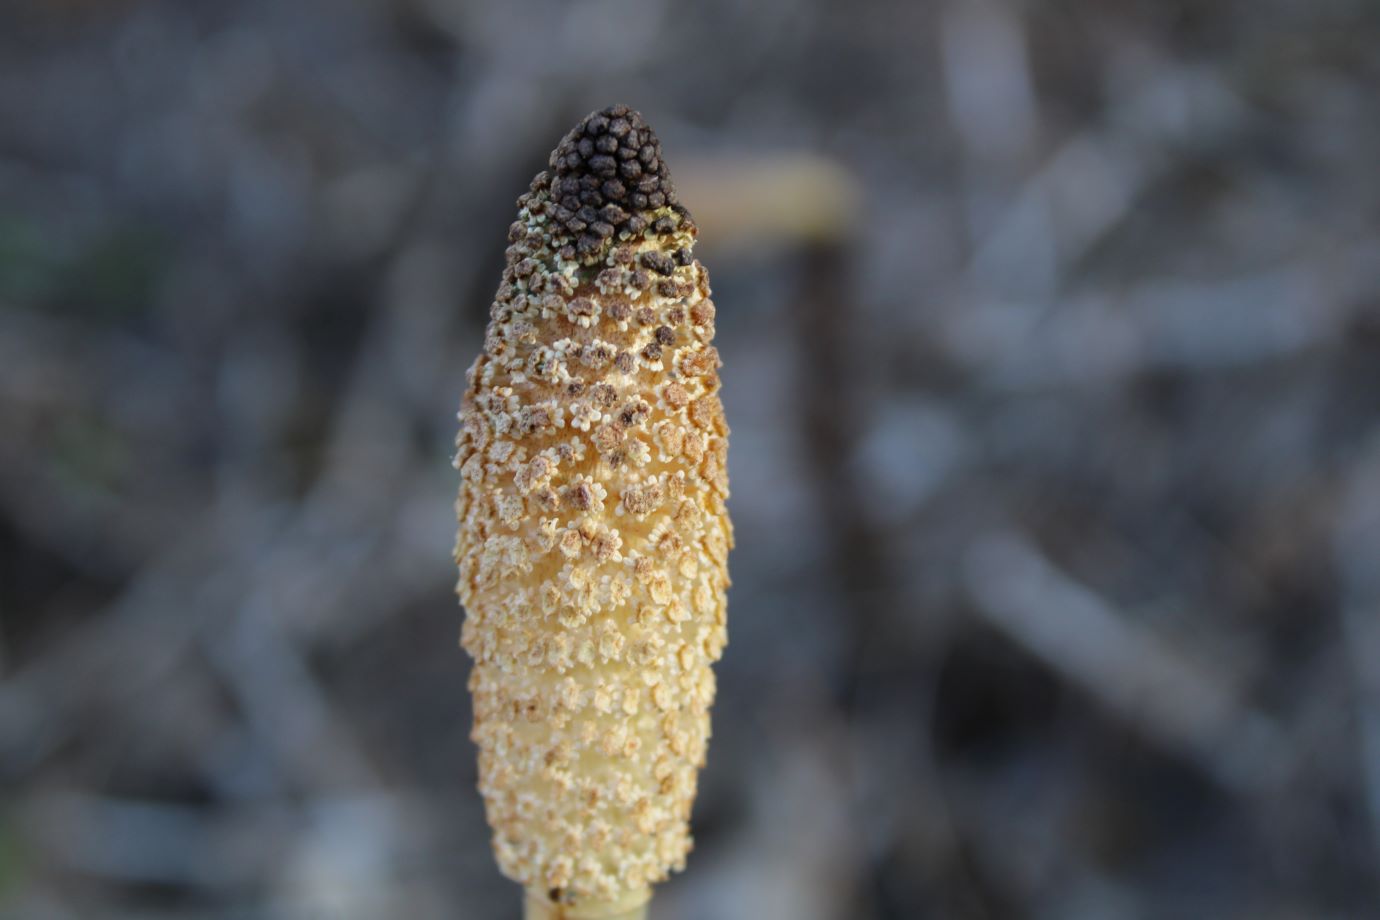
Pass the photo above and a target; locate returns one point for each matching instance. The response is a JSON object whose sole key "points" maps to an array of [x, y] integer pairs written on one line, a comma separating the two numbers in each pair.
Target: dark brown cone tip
{"points": [[607, 178]]}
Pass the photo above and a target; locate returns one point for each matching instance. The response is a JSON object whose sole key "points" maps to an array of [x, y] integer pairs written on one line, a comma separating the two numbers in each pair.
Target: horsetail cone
{"points": [[593, 535]]}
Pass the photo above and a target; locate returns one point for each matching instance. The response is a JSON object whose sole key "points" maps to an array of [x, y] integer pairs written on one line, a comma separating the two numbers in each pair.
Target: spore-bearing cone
{"points": [[608, 181], [593, 534]]}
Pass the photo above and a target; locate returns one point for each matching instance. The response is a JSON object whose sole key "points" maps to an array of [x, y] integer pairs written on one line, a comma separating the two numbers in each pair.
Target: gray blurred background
{"points": [[1051, 339]]}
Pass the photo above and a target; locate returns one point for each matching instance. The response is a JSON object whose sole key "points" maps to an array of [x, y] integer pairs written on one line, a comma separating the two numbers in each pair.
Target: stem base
{"points": [[537, 905]]}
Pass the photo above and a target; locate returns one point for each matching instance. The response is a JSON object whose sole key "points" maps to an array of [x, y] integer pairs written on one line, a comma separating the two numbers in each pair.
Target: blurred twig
{"points": [[1135, 673]]}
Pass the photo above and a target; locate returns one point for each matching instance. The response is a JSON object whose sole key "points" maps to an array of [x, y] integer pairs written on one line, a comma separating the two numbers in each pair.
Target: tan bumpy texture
{"points": [[593, 535]]}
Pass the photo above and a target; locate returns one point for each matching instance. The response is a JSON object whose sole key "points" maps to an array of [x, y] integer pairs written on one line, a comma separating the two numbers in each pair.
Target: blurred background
{"points": [[1051, 339]]}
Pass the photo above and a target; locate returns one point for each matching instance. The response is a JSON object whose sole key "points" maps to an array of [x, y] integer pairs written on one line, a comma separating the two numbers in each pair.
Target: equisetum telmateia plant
{"points": [[593, 536]]}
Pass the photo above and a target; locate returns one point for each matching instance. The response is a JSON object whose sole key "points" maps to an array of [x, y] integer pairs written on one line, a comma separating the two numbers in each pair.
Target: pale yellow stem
{"points": [[537, 905]]}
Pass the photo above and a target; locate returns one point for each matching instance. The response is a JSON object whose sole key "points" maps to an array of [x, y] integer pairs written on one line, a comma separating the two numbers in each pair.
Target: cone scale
{"points": [[593, 536]]}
